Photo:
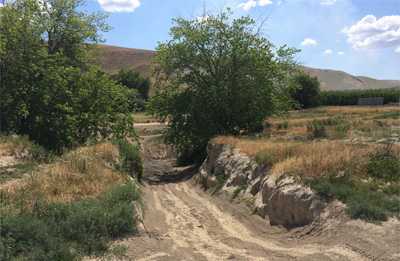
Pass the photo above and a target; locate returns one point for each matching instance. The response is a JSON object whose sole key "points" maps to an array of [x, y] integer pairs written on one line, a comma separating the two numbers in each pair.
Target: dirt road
{"points": [[184, 223]]}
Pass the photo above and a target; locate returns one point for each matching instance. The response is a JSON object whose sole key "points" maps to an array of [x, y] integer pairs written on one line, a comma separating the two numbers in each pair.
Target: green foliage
{"points": [[217, 77], [134, 81], [284, 125], [385, 165], [61, 231], [316, 129], [305, 90], [350, 97], [370, 198], [131, 161], [49, 91]]}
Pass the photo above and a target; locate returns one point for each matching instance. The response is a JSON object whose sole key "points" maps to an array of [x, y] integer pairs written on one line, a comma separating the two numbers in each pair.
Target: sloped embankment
{"points": [[281, 199]]}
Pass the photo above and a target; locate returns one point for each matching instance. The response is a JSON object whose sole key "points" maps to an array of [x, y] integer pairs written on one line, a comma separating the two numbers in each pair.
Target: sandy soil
{"points": [[182, 222]]}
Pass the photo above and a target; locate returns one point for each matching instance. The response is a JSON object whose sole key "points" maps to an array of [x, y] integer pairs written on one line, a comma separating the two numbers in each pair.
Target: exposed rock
{"points": [[290, 203], [283, 200]]}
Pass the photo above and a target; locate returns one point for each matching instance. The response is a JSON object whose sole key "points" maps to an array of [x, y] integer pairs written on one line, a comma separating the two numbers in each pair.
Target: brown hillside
{"points": [[112, 59]]}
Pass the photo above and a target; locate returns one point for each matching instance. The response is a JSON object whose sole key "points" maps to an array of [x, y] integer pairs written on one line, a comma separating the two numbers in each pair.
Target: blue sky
{"points": [[361, 37]]}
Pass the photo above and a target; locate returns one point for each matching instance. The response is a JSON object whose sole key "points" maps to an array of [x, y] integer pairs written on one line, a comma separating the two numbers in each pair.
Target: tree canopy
{"points": [[134, 81], [218, 76], [49, 90], [305, 90]]}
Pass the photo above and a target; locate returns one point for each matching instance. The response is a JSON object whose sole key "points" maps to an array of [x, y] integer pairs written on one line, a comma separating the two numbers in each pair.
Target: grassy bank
{"points": [[70, 207], [329, 150]]}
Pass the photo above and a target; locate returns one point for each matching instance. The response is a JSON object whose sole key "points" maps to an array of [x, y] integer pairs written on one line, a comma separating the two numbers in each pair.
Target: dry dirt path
{"points": [[181, 222]]}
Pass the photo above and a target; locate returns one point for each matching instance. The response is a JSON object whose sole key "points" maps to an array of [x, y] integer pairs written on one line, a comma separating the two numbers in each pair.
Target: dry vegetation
{"points": [[287, 144], [351, 122], [85, 172], [348, 153]]}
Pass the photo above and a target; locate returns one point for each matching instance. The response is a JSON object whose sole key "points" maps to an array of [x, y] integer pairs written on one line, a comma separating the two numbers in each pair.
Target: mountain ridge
{"points": [[113, 58]]}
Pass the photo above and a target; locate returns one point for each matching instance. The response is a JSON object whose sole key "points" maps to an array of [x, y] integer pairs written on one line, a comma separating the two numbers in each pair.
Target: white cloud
{"points": [[370, 32], [340, 53], [264, 2], [397, 50], [309, 42], [328, 52], [248, 5], [119, 5], [252, 3], [328, 2]]}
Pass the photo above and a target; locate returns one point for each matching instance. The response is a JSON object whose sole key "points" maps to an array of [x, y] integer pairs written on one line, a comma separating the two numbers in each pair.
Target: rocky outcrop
{"points": [[281, 199]]}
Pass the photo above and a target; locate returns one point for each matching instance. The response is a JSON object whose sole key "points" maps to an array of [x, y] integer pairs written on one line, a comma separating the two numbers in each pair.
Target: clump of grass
{"points": [[363, 200], [62, 231], [131, 161], [238, 190], [283, 125], [316, 129], [22, 148], [85, 172], [221, 180], [384, 164]]}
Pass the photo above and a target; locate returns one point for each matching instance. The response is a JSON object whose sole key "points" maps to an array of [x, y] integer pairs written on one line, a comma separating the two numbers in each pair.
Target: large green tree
{"points": [[305, 90], [218, 76], [49, 90]]}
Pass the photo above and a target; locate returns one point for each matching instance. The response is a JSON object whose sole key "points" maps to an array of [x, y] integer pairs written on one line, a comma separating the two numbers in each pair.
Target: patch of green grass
{"points": [[384, 165], [364, 200], [16, 171], [283, 126], [388, 115], [316, 129], [68, 231]]}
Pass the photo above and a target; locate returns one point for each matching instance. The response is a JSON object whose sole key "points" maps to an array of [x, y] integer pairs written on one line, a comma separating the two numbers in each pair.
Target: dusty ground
{"points": [[184, 223]]}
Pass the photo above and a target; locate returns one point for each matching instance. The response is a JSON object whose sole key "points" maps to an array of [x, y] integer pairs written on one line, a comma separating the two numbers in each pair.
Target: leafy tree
{"points": [[134, 81], [305, 90], [217, 76], [49, 90]]}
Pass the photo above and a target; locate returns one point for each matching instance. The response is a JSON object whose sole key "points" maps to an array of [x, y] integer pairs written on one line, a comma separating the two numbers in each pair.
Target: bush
{"points": [[316, 129], [131, 161], [134, 81], [305, 90], [384, 164], [61, 231]]}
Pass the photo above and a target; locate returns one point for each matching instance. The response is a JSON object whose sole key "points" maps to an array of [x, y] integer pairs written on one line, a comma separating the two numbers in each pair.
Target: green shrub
{"points": [[316, 129], [364, 200], [305, 90], [131, 161], [284, 125], [384, 164], [61, 231]]}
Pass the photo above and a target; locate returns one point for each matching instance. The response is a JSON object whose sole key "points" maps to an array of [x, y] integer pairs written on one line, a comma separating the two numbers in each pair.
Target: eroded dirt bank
{"points": [[182, 222]]}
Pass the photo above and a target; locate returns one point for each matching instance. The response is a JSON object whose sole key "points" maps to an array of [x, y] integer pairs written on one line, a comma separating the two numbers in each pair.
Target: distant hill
{"points": [[112, 59]]}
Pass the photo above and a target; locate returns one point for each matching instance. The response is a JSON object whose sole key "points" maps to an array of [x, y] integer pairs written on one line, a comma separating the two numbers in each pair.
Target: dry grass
{"points": [[305, 159], [85, 172], [14, 146]]}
